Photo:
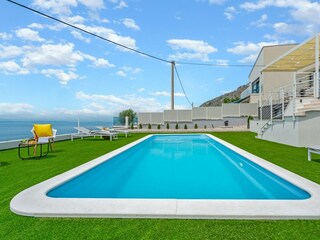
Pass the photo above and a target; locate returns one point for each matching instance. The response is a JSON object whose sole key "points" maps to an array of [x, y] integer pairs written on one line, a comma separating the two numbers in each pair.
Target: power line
{"points": [[132, 49], [217, 65], [126, 47], [88, 32], [184, 92]]}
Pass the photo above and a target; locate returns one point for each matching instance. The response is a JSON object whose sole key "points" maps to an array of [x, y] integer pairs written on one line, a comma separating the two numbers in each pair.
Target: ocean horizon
{"points": [[20, 129]]}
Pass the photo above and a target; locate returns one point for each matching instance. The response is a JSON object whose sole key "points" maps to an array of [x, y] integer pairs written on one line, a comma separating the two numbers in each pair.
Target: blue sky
{"points": [[48, 70]]}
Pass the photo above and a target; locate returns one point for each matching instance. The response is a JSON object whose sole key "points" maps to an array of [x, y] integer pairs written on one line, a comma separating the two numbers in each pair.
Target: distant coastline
{"points": [[20, 129]]}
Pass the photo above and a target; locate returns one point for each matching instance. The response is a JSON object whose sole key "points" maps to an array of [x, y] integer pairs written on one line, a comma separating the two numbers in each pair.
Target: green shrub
{"points": [[185, 126], [248, 121], [205, 126], [168, 126], [149, 126], [140, 126], [177, 126], [158, 126], [131, 126], [196, 126]]}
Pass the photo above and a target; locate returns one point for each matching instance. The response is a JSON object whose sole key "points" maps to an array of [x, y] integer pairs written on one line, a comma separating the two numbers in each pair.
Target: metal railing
{"points": [[277, 104]]}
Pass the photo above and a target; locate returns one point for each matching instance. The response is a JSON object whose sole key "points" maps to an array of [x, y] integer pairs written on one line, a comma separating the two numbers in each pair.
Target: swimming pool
{"points": [[181, 176], [175, 167]]}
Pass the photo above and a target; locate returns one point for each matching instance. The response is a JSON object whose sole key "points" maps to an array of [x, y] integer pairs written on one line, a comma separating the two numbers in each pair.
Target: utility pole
{"points": [[172, 85]]}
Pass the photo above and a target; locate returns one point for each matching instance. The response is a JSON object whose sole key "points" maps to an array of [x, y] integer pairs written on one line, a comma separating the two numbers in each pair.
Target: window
{"points": [[256, 86]]}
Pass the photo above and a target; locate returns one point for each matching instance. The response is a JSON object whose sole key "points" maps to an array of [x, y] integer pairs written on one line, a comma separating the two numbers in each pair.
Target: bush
{"points": [[248, 121], [158, 126], [177, 126], [205, 126], [196, 126], [185, 127], [149, 126], [168, 126], [131, 126], [140, 126]]}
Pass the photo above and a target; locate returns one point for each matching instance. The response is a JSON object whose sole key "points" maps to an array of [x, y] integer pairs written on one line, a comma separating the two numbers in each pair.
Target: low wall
{"points": [[199, 114], [304, 131], [231, 121]]}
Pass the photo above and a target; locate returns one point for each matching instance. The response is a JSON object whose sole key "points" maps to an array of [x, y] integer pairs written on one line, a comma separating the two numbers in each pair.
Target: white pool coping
{"points": [[34, 201]]}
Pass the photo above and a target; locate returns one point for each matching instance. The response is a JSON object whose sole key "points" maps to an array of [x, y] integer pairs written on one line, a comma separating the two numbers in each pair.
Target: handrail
{"points": [[303, 86]]}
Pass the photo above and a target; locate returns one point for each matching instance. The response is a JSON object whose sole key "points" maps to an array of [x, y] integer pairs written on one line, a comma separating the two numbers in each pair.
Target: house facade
{"points": [[266, 81], [285, 83]]}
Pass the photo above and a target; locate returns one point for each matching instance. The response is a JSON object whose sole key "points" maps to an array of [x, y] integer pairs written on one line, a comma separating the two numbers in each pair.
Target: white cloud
{"points": [[121, 73], [5, 36], [93, 4], [136, 70], [74, 19], [111, 35], [193, 45], [162, 94], [141, 89], [130, 23], [222, 62], [252, 49], [53, 27], [98, 62], [11, 67], [176, 107], [244, 48], [167, 94], [249, 59], [305, 12], [250, 6], [60, 7], [15, 108], [78, 35], [125, 71], [309, 13], [111, 102], [63, 76], [121, 4], [261, 22], [217, 1], [28, 34], [229, 12], [179, 94], [102, 63], [49, 54], [195, 49], [36, 26], [63, 7], [62, 55], [295, 29], [220, 80], [226, 91], [10, 51]]}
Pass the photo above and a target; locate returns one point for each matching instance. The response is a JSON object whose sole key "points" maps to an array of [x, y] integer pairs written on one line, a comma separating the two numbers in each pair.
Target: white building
{"points": [[285, 84]]}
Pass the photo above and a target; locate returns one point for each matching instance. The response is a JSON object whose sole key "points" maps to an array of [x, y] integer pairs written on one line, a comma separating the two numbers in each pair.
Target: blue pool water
{"points": [[179, 167]]}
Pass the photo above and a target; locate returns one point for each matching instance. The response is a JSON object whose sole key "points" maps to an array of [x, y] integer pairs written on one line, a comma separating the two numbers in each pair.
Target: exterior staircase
{"points": [[306, 105], [290, 101]]}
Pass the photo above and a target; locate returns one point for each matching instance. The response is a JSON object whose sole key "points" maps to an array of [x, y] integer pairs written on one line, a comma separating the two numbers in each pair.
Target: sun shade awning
{"points": [[297, 58]]}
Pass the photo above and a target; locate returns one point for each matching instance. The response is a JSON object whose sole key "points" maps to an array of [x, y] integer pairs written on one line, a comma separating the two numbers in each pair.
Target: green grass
{"points": [[16, 175]]}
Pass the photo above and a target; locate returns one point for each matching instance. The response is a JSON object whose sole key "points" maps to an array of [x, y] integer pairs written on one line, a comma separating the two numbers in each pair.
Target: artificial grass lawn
{"points": [[16, 175]]}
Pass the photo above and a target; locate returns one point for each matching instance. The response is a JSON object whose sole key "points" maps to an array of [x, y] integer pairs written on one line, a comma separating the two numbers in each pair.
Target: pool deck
{"points": [[34, 201]]}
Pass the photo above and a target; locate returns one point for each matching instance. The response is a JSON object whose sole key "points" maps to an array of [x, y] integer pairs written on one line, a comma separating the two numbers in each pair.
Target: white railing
{"points": [[305, 85], [277, 104]]}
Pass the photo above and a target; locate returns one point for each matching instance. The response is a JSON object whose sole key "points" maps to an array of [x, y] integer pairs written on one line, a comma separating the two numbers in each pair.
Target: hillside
{"points": [[230, 95]]}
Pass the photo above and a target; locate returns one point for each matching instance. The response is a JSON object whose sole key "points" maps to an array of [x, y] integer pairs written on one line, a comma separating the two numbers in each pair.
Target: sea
{"points": [[20, 129]]}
